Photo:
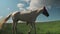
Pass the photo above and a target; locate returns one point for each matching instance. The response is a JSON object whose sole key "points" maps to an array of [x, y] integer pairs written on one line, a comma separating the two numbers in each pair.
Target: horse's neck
{"points": [[39, 11]]}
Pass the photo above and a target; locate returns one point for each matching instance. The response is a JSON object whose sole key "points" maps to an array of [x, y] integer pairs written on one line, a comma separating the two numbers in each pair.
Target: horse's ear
{"points": [[44, 7]]}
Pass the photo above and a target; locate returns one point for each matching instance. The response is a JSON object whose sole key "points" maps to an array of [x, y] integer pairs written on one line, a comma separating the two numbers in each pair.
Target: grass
{"points": [[41, 28]]}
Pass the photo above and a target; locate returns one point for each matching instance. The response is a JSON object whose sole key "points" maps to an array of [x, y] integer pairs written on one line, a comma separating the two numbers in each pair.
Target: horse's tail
{"points": [[7, 18], [4, 21]]}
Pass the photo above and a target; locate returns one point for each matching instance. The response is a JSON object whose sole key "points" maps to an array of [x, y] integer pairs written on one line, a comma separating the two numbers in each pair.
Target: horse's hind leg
{"points": [[32, 27], [13, 27], [28, 23], [16, 27], [14, 31], [29, 32]]}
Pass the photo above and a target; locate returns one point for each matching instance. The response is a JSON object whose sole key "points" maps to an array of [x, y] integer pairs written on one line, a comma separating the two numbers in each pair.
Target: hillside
{"points": [[42, 28]]}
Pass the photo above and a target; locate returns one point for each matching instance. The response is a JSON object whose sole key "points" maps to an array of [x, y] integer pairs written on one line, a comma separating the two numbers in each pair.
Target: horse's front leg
{"points": [[32, 27]]}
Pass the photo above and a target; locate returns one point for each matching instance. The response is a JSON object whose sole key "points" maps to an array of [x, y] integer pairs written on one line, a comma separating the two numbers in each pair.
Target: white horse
{"points": [[29, 17]]}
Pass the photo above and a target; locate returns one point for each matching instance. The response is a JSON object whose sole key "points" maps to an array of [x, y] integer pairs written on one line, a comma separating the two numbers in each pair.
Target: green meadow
{"points": [[41, 28]]}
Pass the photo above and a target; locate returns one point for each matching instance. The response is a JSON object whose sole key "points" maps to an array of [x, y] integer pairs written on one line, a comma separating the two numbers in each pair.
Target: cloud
{"points": [[35, 4], [20, 5], [23, 4]]}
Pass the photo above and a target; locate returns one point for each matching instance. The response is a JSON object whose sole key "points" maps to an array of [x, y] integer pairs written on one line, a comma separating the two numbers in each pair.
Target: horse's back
{"points": [[16, 12]]}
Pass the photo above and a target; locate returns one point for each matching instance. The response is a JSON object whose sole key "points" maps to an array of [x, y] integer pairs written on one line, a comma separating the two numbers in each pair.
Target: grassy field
{"points": [[41, 28]]}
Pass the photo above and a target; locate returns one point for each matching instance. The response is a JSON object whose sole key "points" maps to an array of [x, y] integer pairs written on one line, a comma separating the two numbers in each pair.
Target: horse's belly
{"points": [[25, 18]]}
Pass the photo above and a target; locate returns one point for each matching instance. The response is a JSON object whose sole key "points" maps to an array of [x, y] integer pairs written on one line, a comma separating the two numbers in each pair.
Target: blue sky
{"points": [[53, 7]]}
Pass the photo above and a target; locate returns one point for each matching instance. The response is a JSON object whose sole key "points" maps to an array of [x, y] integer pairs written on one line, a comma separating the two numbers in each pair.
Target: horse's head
{"points": [[42, 10], [45, 12]]}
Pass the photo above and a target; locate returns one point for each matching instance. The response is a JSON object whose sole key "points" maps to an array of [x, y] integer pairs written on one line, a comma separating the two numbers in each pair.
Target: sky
{"points": [[52, 6]]}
